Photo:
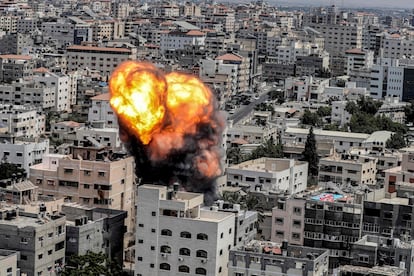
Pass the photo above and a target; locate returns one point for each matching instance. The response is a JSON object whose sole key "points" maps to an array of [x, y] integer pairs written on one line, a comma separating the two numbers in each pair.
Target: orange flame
{"points": [[161, 110]]}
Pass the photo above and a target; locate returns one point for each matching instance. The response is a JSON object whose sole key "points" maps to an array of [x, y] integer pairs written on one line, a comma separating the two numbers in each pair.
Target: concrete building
{"points": [[14, 67], [288, 220], [18, 190], [24, 152], [242, 69], [372, 251], [178, 40], [346, 169], [28, 93], [176, 236], [350, 270], [268, 259], [396, 46], [64, 85], [269, 174], [40, 239], [343, 140], [101, 112], [91, 176], [16, 44], [332, 221], [394, 109], [250, 134], [312, 65], [400, 179], [103, 59], [8, 262], [97, 230], [22, 121], [339, 115], [358, 59]]}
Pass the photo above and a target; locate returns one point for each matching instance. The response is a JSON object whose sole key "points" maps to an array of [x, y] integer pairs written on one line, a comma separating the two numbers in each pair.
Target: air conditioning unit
{"points": [[163, 255], [204, 261], [180, 259]]}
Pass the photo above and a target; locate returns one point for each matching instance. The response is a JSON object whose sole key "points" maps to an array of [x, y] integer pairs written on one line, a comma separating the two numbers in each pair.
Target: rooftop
{"points": [[229, 57], [321, 132], [97, 49], [376, 270], [102, 97]]}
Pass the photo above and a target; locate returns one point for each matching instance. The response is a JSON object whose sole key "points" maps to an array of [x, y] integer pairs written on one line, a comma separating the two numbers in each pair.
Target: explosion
{"points": [[170, 123]]}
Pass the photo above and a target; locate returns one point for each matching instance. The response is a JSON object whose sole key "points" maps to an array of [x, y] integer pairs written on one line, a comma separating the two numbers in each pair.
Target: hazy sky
{"points": [[353, 3]]}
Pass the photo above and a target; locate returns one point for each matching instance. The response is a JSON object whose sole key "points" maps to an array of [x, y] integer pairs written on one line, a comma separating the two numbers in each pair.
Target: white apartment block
{"points": [[215, 68], [339, 38], [269, 175], [175, 236], [178, 40], [24, 153], [22, 121], [28, 93], [387, 79], [358, 59], [288, 220], [108, 137], [101, 111], [343, 141], [103, 59], [338, 113], [354, 170], [8, 23], [396, 46], [65, 87], [251, 134]]}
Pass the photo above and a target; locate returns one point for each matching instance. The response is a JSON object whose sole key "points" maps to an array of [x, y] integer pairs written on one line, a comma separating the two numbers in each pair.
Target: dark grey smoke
{"points": [[179, 165]]}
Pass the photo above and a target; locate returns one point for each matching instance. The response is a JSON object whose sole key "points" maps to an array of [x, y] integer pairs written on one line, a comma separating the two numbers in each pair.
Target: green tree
{"points": [[7, 170], [324, 111], [396, 141], [310, 154], [92, 264], [235, 156], [310, 118], [351, 107], [267, 149]]}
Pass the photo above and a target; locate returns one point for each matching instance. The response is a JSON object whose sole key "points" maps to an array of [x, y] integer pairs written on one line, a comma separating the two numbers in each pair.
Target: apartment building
{"points": [[394, 109], [24, 152], [178, 40], [269, 258], [312, 65], [400, 179], [176, 236], [89, 176], [15, 43], [14, 67], [40, 239], [64, 85], [269, 174], [250, 134], [339, 115], [8, 262], [396, 46], [242, 69], [346, 169], [343, 141], [358, 59], [28, 93], [101, 111], [288, 220], [332, 221], [102, 59], [97, 230], [22, 121]]}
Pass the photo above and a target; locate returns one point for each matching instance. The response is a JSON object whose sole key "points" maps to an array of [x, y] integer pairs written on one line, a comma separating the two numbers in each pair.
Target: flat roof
{"points": [[327, 133], [98, 49]]}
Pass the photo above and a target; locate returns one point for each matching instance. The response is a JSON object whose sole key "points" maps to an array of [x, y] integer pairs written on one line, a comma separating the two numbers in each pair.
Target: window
{"points": [[165, 266], [153, 214], [185, 251], [24, 240], [201, 271], [297, 210], [165, 249], [139, 259], [68, 171], [201, 253], [166, 232], [185, 234], [87, 173], [101, 173], [279, 220], [295, 236], [202, 236], [296, 223], [184, 268], [40, 256]]}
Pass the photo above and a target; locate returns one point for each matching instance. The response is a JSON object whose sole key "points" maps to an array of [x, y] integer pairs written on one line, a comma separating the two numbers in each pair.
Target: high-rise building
{"points": [[175, 235]]}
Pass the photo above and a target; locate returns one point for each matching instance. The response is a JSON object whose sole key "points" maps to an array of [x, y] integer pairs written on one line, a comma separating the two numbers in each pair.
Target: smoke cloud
{"points": [[172, 126]]}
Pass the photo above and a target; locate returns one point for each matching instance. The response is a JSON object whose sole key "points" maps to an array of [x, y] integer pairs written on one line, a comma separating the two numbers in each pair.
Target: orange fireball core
{"points": [[161, 109]]}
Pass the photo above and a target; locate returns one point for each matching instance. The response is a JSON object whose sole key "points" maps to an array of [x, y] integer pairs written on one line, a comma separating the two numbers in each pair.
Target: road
{"points": [[244, 110]]}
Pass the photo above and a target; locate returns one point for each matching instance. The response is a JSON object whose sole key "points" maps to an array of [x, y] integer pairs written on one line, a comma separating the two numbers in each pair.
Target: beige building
{"points": [[400, 179], [103, 59], [347, 169], [8, 262], [90, 176], [269, 175], [39, 238], [288, 220]]}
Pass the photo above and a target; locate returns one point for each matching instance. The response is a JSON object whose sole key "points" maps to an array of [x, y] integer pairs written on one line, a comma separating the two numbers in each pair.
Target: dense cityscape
{"points": [[234, 138]]}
